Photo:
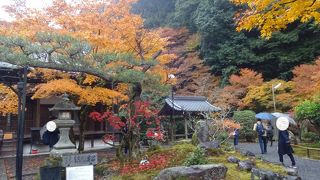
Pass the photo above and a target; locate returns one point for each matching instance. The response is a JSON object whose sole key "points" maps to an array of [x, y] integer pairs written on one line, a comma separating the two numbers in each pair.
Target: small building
{"points": [[184, 107]]}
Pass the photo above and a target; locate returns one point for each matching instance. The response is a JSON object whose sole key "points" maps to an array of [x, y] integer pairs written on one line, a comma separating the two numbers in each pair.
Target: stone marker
{"points": [[202, 130], [196, 172], [79, 159]]}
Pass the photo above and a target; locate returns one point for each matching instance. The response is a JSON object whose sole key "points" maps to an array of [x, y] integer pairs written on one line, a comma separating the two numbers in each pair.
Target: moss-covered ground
{"points": [[178, 153]]}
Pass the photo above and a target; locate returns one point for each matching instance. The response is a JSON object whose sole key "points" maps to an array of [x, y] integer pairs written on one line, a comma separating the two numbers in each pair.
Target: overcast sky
{"points": [[29, 3]]}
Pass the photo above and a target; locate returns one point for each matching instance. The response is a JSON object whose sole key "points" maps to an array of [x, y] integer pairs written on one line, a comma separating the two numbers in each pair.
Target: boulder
{"points": [[233, 159], [201, 172], [265, 174], [249, 153], [202, 130], [246, 165], [210, 145], [292, 171], [292, 178]]}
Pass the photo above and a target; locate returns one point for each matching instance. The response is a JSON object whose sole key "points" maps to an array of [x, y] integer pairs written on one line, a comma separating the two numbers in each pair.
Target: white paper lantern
{"points": [[282, 123]]}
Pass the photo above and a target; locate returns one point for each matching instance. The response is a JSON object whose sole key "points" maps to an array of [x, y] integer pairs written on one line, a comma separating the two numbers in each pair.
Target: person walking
{"points": [[262, 135], [235, 138], [270, 133], [284, 147]]}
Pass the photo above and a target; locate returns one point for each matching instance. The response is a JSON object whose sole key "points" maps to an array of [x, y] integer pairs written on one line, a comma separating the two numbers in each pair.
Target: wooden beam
{"points": [[37, 109]]}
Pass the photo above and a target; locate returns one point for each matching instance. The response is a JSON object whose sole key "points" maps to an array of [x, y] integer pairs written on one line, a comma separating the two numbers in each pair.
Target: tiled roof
{"points": [[188, 104]]}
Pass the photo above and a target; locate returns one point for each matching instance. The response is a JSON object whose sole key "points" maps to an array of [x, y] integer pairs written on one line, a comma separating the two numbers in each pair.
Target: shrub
{"points": [[194, 139], [310, 137], [197, 157], [154, 148], [222, 136], [214, 152], [99, 169], [246, 119]]}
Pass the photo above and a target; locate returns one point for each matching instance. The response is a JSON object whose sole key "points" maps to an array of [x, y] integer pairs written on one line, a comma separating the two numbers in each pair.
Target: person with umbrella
{"points": [[262, 136], [284, 146]]}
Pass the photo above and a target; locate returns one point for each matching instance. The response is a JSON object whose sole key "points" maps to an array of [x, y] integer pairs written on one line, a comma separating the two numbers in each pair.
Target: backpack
{"points": [[260, 129], [269, 131]]}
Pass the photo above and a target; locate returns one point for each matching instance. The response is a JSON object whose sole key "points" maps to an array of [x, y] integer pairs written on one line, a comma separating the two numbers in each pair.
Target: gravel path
{"points": [[308, 169]]}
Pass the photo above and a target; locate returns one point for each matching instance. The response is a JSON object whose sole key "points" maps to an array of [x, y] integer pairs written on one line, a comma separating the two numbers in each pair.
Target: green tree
{"points": [[246, 119], [226, 51], [155, 12], [309, 110]]}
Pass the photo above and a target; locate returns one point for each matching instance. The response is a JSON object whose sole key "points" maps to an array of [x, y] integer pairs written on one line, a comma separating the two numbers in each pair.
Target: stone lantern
{"points": [[64, 108]]}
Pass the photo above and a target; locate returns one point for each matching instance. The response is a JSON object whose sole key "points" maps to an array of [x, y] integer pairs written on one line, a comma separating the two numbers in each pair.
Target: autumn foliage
{"points": [[307, 80], [8, 101], [239, 85], [274, 15], [85, 95], [129, 122]]}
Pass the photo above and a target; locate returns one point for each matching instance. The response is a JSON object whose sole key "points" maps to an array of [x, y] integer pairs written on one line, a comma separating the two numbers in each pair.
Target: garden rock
{"points": [[249, 153], [246, 165], [265, 175], [202, 130], [292, 178], [210, 145], [233, 159], [292, 171], [201, 172]]}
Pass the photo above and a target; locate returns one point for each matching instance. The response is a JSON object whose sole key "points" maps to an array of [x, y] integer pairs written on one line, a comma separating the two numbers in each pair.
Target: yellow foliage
{"points": [[56, 87], [123, 88], [89, 96], [8, 101], [92, 96], [274, 15], [261, 96], [90, 79], [109, 26], [48, 74]]}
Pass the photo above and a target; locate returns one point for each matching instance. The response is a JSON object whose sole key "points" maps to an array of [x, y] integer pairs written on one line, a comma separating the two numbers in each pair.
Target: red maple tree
{"points": [[128, 121]]}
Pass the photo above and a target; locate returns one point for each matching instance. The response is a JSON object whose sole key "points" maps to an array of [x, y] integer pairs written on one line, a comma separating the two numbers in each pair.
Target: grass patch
{"points": [[178, 154], [234, 173]]}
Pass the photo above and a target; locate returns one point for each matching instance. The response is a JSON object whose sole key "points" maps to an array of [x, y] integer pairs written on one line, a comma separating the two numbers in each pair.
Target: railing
{"points": [[309, 151]]}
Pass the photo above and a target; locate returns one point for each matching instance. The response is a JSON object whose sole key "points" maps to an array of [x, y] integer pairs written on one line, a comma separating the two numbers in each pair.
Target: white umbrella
{"points": [[291, 120]]}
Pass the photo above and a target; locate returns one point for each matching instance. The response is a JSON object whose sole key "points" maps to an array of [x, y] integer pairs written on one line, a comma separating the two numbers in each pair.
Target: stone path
{"points": [[3, 174], [308, 169]]}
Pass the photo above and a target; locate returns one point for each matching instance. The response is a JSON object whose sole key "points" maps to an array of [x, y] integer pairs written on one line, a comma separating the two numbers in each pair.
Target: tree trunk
{"points": [[82, 128]]}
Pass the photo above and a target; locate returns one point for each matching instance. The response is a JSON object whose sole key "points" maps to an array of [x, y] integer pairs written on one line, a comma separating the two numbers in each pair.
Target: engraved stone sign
{"points": [[79, 173], [79, 159]]}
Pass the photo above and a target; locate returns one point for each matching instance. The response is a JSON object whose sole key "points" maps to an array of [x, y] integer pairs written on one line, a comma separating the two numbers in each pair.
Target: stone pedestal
{"points": [[64, 145]]}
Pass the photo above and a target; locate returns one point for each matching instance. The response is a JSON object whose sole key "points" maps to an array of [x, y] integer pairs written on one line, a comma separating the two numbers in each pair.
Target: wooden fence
{"points": [[313, 153]]}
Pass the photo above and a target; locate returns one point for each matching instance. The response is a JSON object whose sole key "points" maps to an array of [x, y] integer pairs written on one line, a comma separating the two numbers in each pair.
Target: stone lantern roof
{"points": [[65, 105]]}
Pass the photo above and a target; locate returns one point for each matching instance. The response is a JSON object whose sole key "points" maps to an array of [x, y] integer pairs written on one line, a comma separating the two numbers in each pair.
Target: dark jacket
{"points": [[284, 146]]}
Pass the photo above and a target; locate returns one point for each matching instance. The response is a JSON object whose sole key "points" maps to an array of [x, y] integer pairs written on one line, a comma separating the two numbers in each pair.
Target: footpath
{"points": [[308, 169]]}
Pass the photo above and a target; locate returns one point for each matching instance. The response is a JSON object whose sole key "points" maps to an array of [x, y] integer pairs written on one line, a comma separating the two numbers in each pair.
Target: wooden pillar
{"points": [[185, 128], [37, 115]]}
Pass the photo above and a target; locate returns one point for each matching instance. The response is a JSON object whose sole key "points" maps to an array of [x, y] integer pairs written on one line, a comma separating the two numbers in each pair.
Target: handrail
{"points": [[317, 149], [308, 149]]}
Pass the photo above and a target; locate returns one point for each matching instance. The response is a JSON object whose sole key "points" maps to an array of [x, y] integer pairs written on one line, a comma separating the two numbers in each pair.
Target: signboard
{"points": [[79, 173], [79, 159]]}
